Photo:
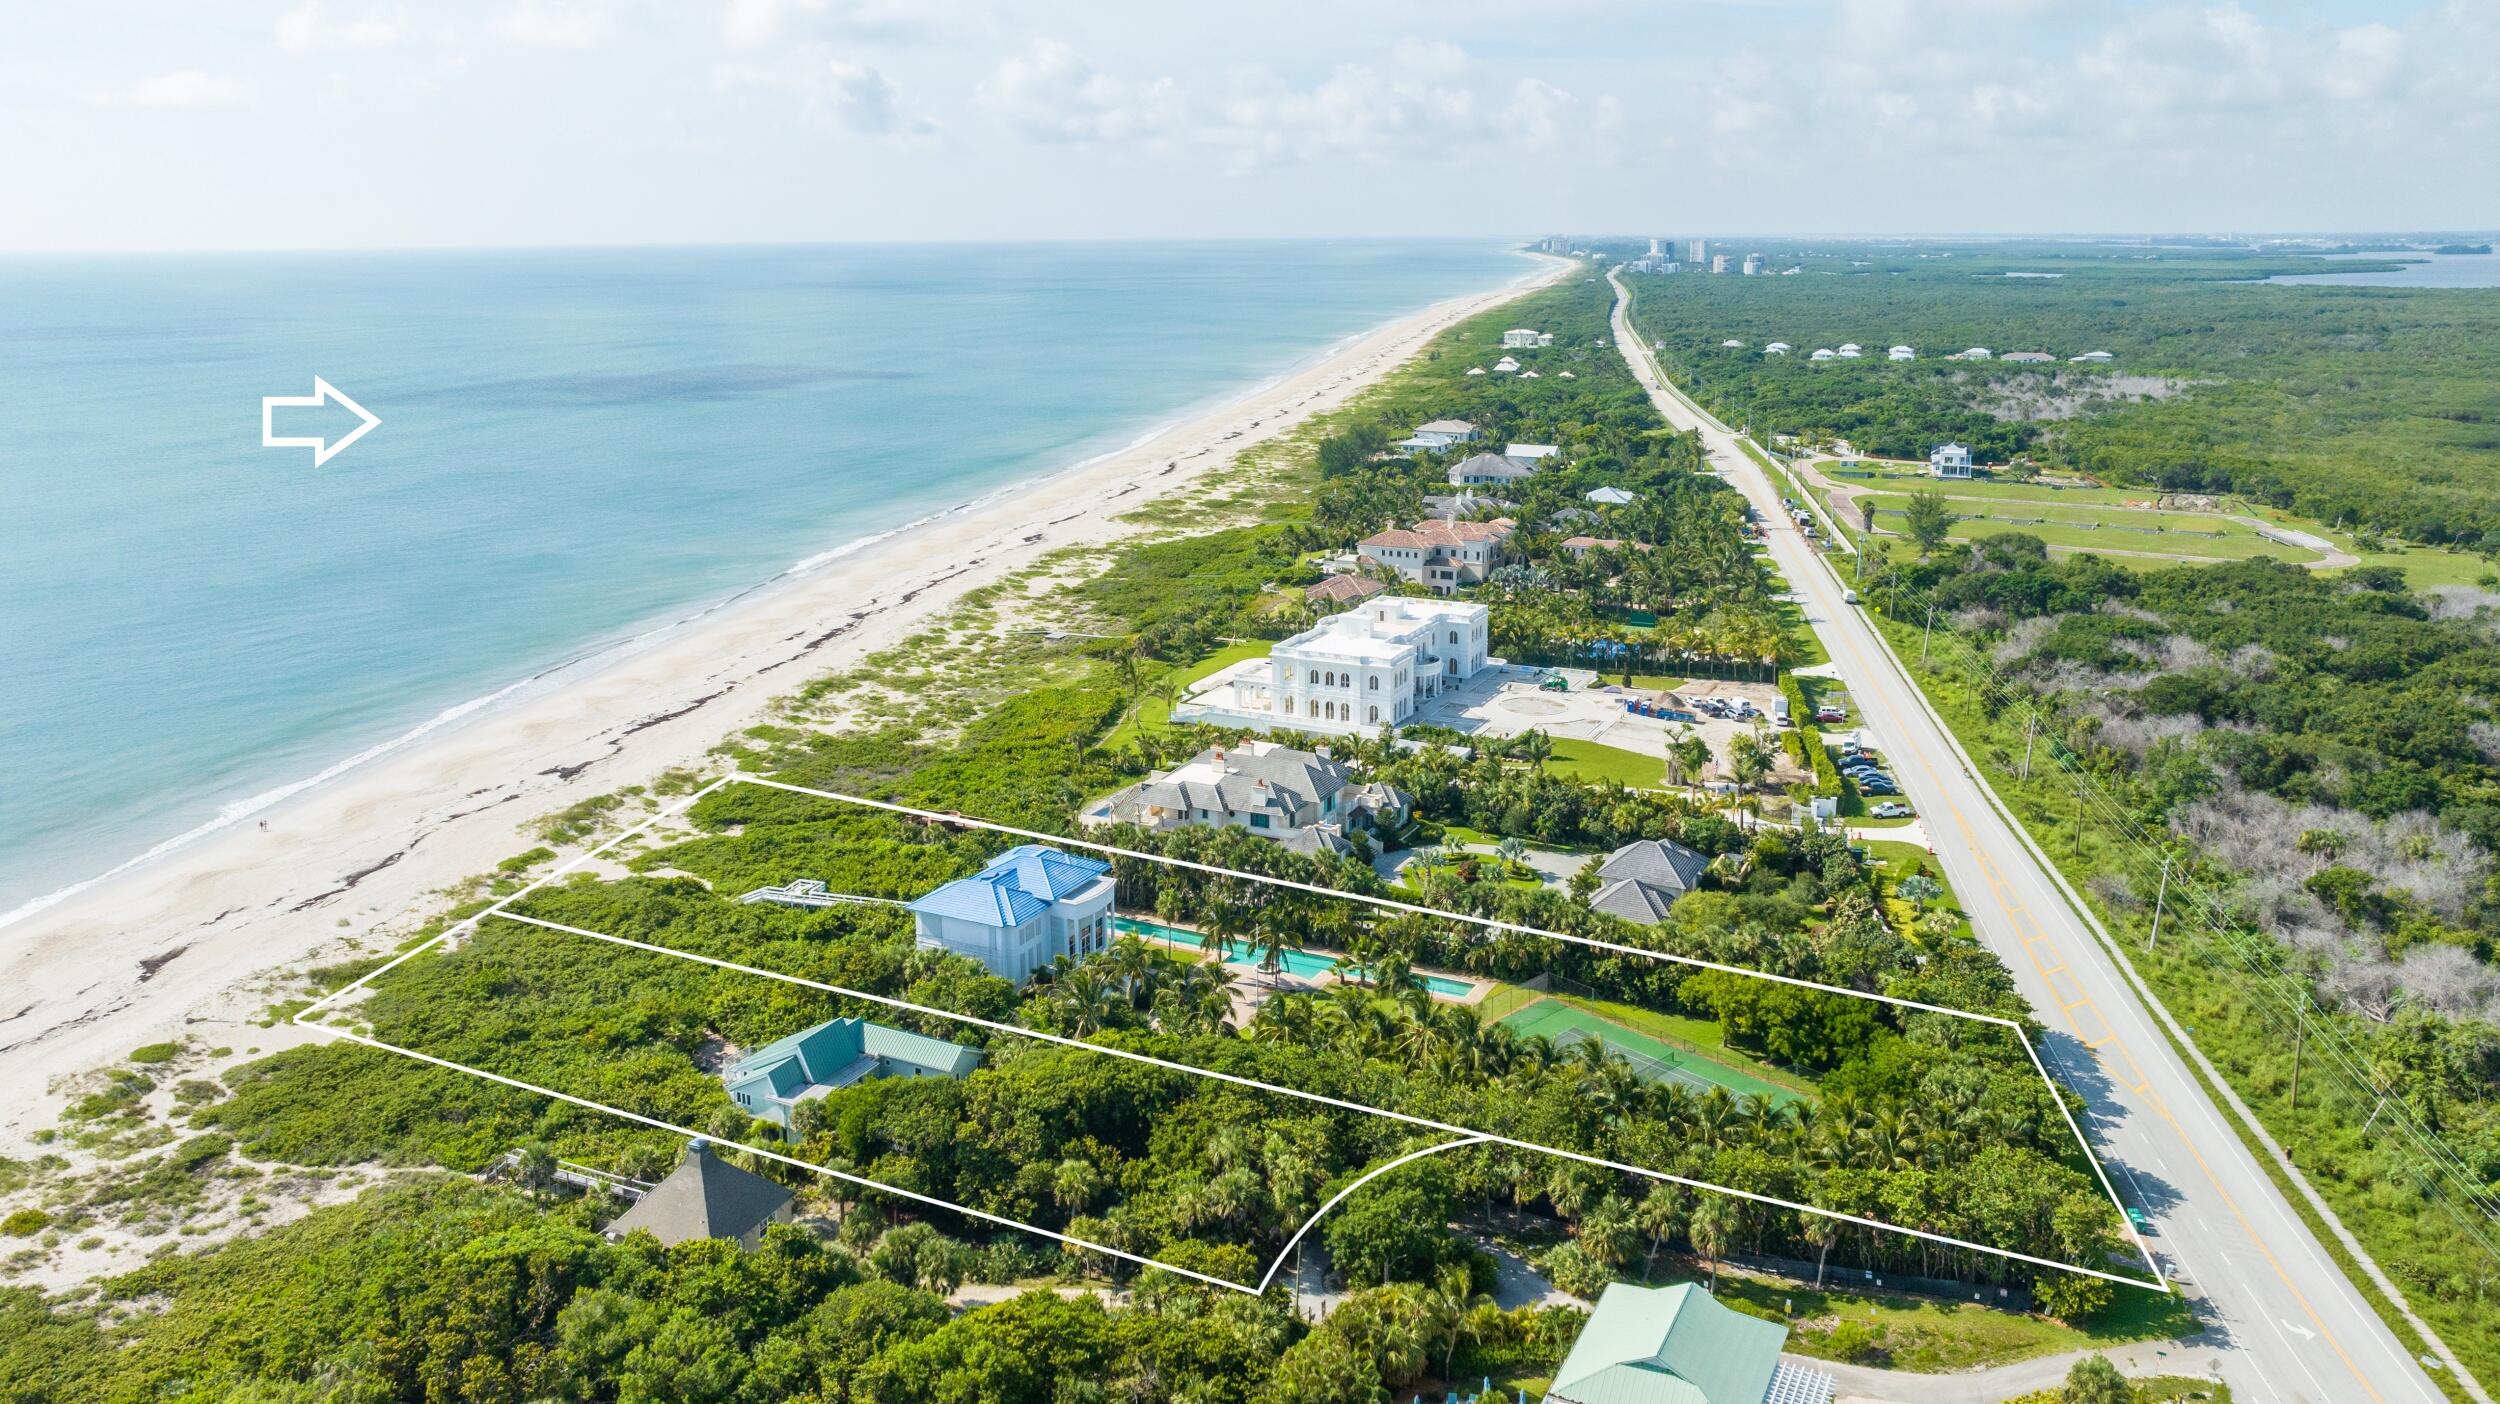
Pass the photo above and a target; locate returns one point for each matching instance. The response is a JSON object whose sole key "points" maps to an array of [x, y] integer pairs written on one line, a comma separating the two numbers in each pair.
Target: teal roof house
{"points": [[1677, 1345], [770, 1081], [1029, 907]]}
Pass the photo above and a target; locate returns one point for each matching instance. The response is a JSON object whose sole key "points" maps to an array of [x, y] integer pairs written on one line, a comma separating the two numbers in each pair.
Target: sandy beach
{"points": [[194, 944]]}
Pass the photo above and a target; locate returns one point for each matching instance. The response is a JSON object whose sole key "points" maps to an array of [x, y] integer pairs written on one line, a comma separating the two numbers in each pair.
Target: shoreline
{"points": [[194, 935], [269, 800]]}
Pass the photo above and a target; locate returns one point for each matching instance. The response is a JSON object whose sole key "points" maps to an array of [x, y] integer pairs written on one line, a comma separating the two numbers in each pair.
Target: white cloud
{"points": [[555, 24], [1427, 102], [1050, 93], [860, 99], [188, 88], [310, 28], [2365, 58], [748, 23], [846, 96]]}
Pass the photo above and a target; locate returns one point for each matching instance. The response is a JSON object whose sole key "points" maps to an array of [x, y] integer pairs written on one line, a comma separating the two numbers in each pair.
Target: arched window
{"points": [[1375, 682], [1375, 716], [1315, 677]]}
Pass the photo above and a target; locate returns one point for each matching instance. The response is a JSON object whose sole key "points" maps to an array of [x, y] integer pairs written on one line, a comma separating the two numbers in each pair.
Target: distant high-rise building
{"points": [[1718, 263], [1656, 248], [1699, 251], [1753, 264]]}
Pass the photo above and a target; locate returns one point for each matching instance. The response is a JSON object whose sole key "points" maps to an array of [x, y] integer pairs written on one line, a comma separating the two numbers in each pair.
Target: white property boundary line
{"points": [[1466, 1135]]}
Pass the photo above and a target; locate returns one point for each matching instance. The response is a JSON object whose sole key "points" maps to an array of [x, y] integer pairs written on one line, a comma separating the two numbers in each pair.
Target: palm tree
{"points": [[534, 1169], [1084, 1002], [1534, 747], [1821, 1232], [1451, 1305], [1692, 756], [1074, 1184], [1660, 1213], [1713, 1224]]}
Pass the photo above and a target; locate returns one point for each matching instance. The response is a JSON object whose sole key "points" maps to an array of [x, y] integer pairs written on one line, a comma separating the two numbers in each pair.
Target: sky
{"points": [[172, 124]]}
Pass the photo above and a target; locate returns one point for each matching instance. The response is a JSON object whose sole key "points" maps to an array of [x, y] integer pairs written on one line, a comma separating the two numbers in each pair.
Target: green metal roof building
{"points": [[771, 1080], [1677, 1345]]}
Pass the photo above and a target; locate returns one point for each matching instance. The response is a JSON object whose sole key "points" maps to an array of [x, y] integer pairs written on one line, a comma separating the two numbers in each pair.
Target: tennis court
{"points": [[1651, 1059]]}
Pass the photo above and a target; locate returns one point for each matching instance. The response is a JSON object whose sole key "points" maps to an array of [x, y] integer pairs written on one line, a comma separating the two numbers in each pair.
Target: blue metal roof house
{"points": [[775, 1078], [1677, 1345], [1028, 907]]}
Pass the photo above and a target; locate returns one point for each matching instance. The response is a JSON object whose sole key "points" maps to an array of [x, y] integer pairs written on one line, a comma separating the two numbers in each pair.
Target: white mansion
{"points": [[1370, 667]]}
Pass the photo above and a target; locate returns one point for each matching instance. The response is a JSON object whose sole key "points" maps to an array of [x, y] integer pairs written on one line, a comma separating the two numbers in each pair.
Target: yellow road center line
{"points": [[2014, 911]]}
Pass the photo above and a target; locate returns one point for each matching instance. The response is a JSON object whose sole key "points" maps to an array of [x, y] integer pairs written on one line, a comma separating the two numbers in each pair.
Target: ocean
{"points": [[577, 447]]}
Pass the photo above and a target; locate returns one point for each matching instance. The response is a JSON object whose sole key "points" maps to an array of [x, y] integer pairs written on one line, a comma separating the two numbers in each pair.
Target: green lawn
{"points": [[1898, 861], [1932, 1337], [1150, 711], [1587, 760], [1909, 478], [2189, 549], [2108, 529], [2075, 514]]}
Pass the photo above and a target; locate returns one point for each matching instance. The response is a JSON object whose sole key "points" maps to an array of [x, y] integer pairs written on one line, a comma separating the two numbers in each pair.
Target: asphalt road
{"points": [[2287, 1324]]}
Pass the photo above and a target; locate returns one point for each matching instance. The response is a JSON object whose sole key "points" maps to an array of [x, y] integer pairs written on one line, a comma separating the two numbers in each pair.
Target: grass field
{"points": [[1566, 1022], [2085, 528], [1587, 760], [1150, 713], [1934, 1337]]}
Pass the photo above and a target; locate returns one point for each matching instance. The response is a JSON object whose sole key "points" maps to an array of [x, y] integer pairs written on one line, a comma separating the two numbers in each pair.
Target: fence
{"points": [[1614, 660]]}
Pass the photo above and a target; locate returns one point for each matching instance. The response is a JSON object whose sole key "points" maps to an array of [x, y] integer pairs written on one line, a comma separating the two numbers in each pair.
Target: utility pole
{"points": [[2078, 817], [2299, 1037], [1923, 634], [2158, 898], [2031, 726]]}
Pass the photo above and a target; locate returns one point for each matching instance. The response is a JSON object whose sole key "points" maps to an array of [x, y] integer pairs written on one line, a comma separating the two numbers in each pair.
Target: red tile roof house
{"points": [[1438, 553], [1343, 590]]}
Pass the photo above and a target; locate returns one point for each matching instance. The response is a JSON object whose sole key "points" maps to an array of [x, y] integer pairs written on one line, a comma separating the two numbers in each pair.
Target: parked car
{"points": [[1891, 811], [1829, 714]]}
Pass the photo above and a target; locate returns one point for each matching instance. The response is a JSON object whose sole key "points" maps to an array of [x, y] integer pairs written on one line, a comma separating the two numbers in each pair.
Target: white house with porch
{"points": [[1949, 461], [1356, 672]]}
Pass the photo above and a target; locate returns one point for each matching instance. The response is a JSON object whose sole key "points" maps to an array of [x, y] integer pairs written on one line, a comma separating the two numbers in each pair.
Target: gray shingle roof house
{"points": [[1677, 1345], [1642, 879], [1304, 800], [706, 1197], [1487, 469]]}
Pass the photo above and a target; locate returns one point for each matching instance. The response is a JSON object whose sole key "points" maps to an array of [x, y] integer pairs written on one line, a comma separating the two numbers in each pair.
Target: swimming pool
{"points": [[1308, 964]]}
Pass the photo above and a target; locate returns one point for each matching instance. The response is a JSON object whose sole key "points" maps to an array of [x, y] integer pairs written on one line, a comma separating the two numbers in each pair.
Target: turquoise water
{"points": [[1297, 962], [576, 447]]}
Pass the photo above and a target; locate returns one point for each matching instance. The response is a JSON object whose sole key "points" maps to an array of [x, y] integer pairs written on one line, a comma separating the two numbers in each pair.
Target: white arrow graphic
{"points": [[2301, 1331], [323, 393]]}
